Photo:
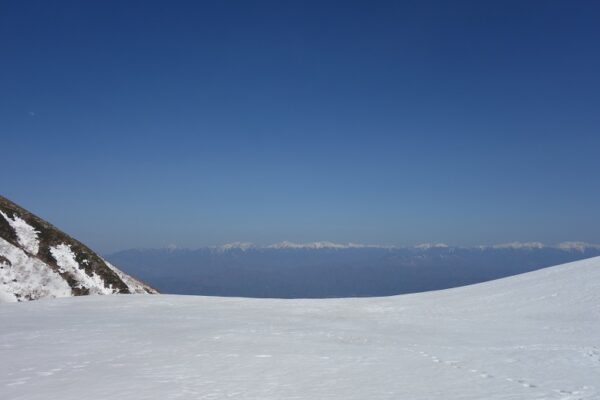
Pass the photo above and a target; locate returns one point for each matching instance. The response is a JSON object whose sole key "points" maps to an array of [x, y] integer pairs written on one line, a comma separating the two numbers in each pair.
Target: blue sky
{"points": [[142, 124]]}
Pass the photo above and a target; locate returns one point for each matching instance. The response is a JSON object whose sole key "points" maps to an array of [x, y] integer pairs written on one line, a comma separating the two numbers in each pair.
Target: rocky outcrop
{"points": [[37, 260]]}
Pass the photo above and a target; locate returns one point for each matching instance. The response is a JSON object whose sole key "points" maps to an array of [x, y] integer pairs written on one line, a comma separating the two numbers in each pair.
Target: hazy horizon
{"points": [[569, 245]]}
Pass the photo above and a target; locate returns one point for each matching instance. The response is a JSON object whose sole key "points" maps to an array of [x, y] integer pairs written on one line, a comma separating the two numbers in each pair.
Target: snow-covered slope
{"points": [[532, 336], [37, 261]]}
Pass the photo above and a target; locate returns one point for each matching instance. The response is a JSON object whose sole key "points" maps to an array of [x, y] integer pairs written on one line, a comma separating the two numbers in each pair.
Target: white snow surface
{"points": [[532, 336], [26, 234], [65, 258], [27, 276], [134, 286]]}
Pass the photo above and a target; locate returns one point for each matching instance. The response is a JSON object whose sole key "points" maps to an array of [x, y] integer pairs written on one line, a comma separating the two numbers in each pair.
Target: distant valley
{"points": [[323, 269]]}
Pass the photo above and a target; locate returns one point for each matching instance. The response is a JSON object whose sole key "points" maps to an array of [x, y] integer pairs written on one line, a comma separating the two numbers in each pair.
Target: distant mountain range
{"points": [[327, 269], [37, 261], [577, 246]]}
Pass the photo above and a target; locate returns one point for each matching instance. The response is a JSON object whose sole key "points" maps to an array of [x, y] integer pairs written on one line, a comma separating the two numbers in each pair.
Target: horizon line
{"points": [[328, 245]]}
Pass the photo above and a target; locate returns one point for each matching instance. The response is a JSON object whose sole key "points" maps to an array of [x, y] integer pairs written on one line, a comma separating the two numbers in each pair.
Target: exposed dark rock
{"points": [[49, 237]]}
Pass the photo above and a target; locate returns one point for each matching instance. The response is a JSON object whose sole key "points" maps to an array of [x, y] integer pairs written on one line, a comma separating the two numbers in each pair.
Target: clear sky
{"points": [[144, 124]]}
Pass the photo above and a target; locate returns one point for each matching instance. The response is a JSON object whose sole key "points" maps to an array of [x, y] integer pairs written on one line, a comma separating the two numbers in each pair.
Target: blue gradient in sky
{"points": [[139, 124]]}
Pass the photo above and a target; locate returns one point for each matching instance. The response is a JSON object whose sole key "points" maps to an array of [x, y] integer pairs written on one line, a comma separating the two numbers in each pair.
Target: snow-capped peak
{"points": [[577, 246], [319, 245], [237, 246], [520, 245], [314, 245], [427, 246]]}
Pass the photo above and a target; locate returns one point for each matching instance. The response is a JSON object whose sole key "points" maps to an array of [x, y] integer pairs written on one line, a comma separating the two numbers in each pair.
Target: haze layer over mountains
{"points": [[324, 269]]}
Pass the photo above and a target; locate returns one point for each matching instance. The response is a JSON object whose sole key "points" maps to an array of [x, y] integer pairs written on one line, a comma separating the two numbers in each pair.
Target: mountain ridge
{"points": [[38, 260], [329, 245]]}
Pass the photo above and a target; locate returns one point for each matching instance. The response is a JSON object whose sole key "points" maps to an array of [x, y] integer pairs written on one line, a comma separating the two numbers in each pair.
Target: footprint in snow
{"points": [[19, 381], [50, 372], [526, 384]]}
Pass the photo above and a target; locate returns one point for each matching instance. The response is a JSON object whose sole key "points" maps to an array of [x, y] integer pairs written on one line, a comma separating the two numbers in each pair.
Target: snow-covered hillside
{"points": [[37, 261], [532, 336]]}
